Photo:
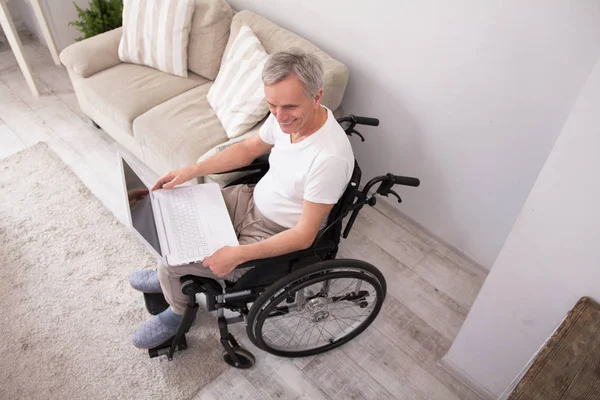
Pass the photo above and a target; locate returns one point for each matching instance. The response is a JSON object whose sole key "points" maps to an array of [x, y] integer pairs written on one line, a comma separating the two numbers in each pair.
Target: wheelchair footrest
{"points": [[155, 303], [163, 349]]}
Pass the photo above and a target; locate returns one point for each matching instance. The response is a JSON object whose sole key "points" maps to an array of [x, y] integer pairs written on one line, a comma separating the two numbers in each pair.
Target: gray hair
{"points": [[307, 67]]}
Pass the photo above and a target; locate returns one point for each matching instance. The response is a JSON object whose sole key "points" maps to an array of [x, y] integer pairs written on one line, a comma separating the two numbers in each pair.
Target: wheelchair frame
{"points": [[235, 296]]}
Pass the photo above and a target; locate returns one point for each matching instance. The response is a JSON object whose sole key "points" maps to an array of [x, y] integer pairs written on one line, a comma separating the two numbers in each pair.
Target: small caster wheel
{"points": [[246, 358]]}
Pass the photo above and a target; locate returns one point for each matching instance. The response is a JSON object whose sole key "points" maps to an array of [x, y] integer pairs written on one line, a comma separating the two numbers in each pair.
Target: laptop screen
{"points": [[140, 207]]}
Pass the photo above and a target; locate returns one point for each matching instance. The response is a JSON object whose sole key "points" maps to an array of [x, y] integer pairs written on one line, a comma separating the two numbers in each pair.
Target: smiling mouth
{"points": [[287, 123]]}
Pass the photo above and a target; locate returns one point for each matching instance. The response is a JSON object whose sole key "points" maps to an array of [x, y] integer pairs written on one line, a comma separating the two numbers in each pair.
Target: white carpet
{"points": [[67, 311]]}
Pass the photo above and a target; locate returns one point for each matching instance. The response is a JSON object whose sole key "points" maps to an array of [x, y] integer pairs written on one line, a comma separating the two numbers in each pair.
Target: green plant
{"points": [[94, 20]]}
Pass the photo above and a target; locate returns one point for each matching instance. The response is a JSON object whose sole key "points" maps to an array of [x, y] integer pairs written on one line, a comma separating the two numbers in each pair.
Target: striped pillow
{"points": [[237, 96], [156, 34]]}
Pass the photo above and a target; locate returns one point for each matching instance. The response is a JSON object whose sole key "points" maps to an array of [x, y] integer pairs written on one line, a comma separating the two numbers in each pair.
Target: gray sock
{"points": [[169, 318]]}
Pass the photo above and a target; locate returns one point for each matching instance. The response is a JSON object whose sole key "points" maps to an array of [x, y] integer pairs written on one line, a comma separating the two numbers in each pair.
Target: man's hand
{"points": [[224, 260], [136, 195], [174, 178]]}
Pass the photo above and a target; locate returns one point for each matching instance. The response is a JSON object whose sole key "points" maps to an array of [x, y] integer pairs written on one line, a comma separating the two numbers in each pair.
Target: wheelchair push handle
{"points": [[348, 123], [386, 183], [357, 120], [406, 181], [366, 121]]}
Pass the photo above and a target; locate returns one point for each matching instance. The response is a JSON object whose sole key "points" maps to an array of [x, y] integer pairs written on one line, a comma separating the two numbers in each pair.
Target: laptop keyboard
{"points": [[190, 240]]}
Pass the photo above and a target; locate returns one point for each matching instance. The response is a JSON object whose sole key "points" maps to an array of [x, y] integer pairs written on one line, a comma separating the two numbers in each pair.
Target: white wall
{"points": [[549, 261], [471, 97], [58, 14]]}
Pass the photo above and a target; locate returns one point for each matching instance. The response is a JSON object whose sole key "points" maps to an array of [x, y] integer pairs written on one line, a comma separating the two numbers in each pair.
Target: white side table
{"points": [[12, 36]]}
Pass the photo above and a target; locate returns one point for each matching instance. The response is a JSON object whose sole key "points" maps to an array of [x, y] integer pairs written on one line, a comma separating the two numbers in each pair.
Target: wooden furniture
{"points": [[14, 41], [568, 367]]}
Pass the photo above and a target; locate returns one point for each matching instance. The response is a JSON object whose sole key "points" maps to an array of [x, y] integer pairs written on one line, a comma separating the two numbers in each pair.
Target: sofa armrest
{"points": [[94, 54]]}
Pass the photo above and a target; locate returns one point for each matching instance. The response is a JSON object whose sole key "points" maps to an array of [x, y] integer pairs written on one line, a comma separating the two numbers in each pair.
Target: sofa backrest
{"points": [[208, 37], [275, 38]]}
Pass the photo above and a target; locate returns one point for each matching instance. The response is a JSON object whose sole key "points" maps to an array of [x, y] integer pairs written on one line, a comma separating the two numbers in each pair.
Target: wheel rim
{"points": [[328, 306]]}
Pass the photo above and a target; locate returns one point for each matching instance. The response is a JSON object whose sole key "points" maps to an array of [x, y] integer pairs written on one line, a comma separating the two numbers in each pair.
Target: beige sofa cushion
{"points": [[237, 95], [126, 91], [274, 38], [181, 129], [156, 34], [208, 38]]}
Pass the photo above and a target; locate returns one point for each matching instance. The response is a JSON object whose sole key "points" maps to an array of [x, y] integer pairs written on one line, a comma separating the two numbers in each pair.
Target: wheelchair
{"points": [[299, 304]]}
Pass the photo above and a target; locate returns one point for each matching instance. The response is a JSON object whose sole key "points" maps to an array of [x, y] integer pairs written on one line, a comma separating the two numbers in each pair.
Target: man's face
{"points": [[291, 106]]}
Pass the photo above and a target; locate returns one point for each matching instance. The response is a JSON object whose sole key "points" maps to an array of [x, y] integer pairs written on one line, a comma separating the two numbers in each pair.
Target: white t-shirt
{"points": [[316, 169]]}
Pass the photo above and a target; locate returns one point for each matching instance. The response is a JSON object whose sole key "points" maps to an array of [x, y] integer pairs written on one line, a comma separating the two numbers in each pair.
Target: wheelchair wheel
{"points": [[316, 308], [246, 358]]}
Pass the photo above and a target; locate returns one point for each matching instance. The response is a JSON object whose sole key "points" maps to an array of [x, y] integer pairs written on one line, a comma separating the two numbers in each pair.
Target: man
{"points": [[311, 163]]}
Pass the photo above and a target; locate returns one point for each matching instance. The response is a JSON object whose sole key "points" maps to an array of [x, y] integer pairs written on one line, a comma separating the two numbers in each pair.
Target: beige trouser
{"points": [[250, 227]]}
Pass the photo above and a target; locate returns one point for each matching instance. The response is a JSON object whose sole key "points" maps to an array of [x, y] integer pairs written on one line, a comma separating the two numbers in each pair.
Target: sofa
{"points": [[166, 120]]}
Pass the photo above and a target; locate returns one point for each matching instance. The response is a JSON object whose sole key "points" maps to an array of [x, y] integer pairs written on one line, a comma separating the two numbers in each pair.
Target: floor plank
{"points": [[420, 342], [394, 369], [230, 385], [397, 241], [20, 118], [396, 216], [341, 378], [426, 301], [278, 377], [460, 284], [9, 141]]}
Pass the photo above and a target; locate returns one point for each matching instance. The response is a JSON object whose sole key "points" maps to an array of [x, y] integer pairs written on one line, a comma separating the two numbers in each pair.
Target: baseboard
{"points": [[386, 206], [466, 379], [518, 378]]}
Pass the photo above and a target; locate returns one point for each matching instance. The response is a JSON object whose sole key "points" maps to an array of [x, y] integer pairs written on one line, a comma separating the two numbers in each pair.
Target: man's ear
{"points": [[318, 98]]}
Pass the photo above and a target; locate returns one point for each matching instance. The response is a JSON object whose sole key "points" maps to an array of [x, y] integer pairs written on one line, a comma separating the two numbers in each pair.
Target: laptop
{"points": [[182, 225]]}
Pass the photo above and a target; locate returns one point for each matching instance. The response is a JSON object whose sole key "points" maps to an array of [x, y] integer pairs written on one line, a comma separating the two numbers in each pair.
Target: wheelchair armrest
{"points": [[261, 163], [324, 245], [249, 179], [268, 270]]}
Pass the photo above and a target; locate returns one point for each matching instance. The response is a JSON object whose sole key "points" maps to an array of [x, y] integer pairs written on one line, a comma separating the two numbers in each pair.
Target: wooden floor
{"points": [[430, 289], [568, 366]]}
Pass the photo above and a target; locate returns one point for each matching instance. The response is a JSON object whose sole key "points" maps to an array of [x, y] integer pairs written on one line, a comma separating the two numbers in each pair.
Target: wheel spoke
{"points": [[327, 330], [338, 321], [299, 320], [318, 311], [352, 318], [320, 328], [310, 325], [335, 295], [280, 317], [281, 330], [311, 332], [304, 333]]}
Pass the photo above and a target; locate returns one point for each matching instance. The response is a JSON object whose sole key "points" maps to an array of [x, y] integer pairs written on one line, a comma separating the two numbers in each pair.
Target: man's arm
{"points": [[235, 156], [299, 237]]}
